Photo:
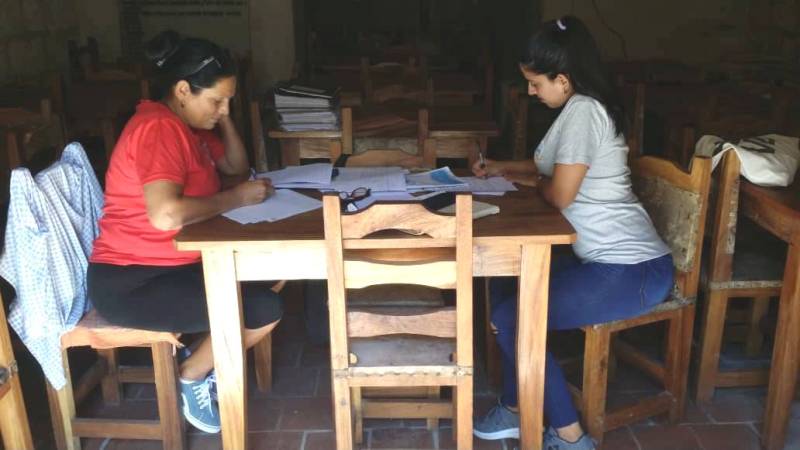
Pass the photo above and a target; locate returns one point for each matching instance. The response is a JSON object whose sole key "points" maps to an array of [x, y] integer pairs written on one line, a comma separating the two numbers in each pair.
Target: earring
{"points": [[182, 104]]}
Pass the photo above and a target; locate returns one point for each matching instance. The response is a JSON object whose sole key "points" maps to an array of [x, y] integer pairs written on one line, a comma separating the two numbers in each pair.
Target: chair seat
{"points": [[395, 295], [98, 333], [674, 303], [758, 262]]}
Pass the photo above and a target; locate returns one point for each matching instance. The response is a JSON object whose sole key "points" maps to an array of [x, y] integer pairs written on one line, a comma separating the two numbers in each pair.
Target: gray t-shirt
{"points": [[611, 224]]}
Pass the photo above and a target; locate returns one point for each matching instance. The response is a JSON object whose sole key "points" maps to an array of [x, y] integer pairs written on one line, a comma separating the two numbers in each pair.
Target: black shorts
{"points": [[169, 298]]}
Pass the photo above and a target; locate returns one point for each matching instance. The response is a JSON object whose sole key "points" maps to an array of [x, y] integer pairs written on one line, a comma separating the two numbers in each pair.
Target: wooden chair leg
{"points": [[358, 414], [710, 344], [677, 360], [342, 414], [493, 363], [166, 376], [14, 426], [62, 411], [612, 360], [434, 392], [595, 381], [263, 362], [755, 338], [111, 387], [462, 422]]}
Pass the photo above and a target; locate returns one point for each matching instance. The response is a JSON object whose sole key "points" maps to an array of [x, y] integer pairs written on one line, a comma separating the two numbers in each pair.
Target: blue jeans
{"points": [[580, 294]]}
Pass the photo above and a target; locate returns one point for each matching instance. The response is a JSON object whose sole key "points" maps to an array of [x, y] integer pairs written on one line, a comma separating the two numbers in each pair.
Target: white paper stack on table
{"points": [[305, 108], [310, 176], [280, 205]]}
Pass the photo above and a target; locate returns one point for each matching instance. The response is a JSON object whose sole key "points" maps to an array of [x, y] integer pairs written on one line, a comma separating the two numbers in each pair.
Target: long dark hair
{"points": [[566, 46], [198, 61]]}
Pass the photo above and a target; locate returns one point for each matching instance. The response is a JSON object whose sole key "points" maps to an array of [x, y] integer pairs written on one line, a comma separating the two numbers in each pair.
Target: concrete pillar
{"points": [[272, 41]]}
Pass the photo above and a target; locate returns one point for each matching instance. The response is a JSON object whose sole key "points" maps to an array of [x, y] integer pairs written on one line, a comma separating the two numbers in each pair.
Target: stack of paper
{"points": [[303, 108], [311, 176], [377, 179], [280, 205], [437, 179], [483, 186]]}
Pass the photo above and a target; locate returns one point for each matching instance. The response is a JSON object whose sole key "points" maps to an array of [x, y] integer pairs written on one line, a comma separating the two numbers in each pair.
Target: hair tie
{"points": [[561, 25]]}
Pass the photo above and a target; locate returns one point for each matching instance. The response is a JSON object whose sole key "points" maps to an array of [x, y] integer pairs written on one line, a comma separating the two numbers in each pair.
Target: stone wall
{"points": [[33, 37]]}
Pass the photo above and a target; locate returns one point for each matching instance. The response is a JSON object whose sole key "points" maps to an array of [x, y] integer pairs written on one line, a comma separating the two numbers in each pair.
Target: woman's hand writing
{"points": [[254, 191], [489, 168]]}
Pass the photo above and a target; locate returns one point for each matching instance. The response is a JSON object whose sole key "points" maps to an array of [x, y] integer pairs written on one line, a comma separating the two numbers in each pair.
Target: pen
{"points": [[482, 162]]}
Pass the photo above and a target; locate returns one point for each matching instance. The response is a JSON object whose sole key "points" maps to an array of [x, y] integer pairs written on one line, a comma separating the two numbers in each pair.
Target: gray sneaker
{"points": [[198, 408], [498, 423], [553, 442]]}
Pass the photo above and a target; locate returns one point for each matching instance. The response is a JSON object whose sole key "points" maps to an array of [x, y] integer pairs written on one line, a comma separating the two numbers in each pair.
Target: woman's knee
{"points": [[504, 317], [261, 308]]}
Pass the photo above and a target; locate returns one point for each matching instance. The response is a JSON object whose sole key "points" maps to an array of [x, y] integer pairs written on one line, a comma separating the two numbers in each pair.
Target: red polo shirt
{"points": [[155, 145]]}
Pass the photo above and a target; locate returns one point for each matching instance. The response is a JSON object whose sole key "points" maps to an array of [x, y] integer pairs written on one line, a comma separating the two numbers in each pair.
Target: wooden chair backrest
{"points": [[633, 95], [390, 81], [438, 255], [258, 157], [724, 218], [677, 203], [518, 102]]}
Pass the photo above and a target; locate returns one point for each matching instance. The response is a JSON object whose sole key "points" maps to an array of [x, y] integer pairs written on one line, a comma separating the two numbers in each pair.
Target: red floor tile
{"points": [[665, 437], [726, 437]]}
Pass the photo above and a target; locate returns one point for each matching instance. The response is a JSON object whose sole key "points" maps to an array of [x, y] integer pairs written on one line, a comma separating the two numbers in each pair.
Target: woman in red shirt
{"points": [[164, 174]]}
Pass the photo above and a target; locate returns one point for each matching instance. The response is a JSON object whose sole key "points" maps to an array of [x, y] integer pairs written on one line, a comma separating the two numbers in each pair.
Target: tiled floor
{"points": [[297, 414]]}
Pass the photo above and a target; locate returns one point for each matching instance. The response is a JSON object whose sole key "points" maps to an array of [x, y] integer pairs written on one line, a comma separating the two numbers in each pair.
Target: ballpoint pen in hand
{"points": [[482, 163]]}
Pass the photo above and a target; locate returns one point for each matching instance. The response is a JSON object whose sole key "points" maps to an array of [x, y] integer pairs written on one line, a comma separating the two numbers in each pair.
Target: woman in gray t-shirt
{"points": [[621, 268]]}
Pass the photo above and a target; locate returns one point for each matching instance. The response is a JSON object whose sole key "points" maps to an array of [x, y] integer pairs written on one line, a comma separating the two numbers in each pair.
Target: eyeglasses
{"points": [[348, 199]]}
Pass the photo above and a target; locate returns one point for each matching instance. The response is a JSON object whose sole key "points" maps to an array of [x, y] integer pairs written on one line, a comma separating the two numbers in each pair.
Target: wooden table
{"points": [[515, 242], [778, 211]]}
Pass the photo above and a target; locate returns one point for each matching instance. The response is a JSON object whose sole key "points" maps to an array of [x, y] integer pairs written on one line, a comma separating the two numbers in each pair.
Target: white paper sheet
{"points": [[282, 204], [310, 176], [378, 179], [481, 186]]}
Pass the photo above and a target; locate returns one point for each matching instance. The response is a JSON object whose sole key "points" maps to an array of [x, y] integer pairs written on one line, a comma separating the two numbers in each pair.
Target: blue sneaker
{"points": [[499, 423], [211, 379], [552, 441], [198, 408]]}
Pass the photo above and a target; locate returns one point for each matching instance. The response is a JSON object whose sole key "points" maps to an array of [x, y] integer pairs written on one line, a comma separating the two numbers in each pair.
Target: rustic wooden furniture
{"points": [[14, 426], [515, 242], [443, 132], [778, 211], [633, 95], [384, 346], [677, 203], [95, 332], [735, 270]]}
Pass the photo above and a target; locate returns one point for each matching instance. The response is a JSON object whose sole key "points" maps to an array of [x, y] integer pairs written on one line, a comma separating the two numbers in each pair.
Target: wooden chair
{"points": [[14, 426], [677, 203], [391, 81], [94, 332], [634, 98], [518, 110], [389, 346], [736, 269]]}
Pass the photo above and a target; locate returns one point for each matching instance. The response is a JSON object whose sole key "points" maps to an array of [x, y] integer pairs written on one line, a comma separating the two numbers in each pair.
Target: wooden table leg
{"points": [[225, 316], [534, 282], [783, 373]]}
